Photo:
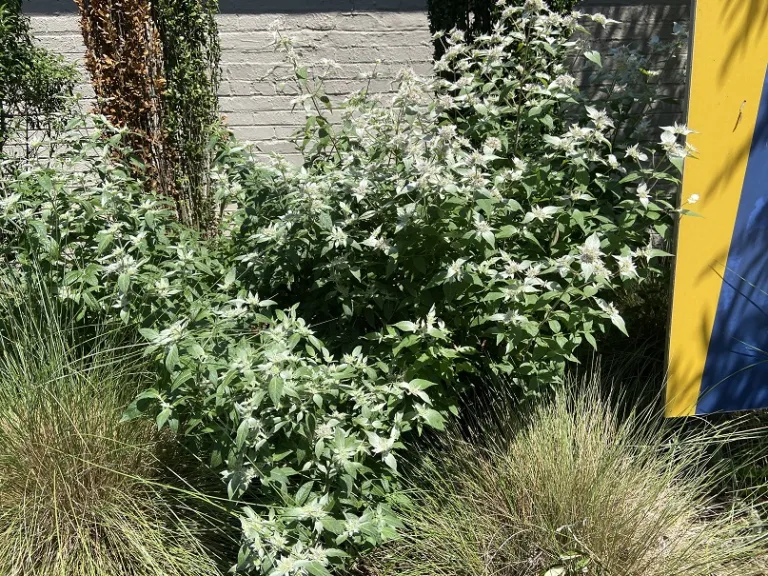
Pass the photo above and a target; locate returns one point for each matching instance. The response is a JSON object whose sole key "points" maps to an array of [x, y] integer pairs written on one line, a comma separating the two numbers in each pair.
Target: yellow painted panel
{"points": [[730, 53]]}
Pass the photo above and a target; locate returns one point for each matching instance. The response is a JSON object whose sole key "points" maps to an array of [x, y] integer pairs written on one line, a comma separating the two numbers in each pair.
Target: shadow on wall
{"points": [[52, 7]]}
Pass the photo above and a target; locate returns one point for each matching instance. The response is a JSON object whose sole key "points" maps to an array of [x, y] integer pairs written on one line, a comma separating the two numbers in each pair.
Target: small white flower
{"points": [[512, 268], [337, 236], [627, 268], [540, 214], [565, 82], [455, 269], [514, 318], [643, 196], [693, 198], [635, 153], [602, 19], [481, 225], [493, 143], [589, 256], [456, 36], [599, 118], [287, 566], [172, 334], [668, 140], [361, 189], [163, 288], [680, 129], [613, 313]]}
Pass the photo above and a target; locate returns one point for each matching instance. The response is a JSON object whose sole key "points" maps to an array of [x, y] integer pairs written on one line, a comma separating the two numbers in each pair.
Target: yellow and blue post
{"points": [[718, 346]]}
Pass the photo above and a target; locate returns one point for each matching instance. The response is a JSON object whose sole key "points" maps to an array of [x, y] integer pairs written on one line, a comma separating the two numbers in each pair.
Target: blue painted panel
{"points": [[736, 370]]}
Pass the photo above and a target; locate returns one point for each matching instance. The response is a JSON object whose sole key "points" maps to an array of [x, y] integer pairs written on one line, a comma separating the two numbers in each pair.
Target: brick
{"points": [[257, 133], [256, 90], [275, 146]]}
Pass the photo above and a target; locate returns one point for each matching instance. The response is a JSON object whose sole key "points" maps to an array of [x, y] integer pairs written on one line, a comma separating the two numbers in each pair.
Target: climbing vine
{"points": [[191, 55], [155, 71], [35, 84], [124, 59]]}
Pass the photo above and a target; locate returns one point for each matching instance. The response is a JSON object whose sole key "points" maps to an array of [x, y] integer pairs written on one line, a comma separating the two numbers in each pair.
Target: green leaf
{"points": [[433, 418], [421, 384], [594, 56], [304, 492], [72, 276], [677, 162], [242, 432], [406, 326], [172, 358], [162, 418], [317, 569], [630, 178], [148, 334], [276, 386], [618, 321], [124, 283]]}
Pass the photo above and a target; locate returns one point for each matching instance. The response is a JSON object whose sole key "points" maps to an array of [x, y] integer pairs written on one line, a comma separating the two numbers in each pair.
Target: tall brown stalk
{"points": [[124, 57]]}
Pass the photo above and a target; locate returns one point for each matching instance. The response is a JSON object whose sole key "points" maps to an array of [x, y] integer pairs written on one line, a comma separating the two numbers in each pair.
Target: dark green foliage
{"points": [[34, 84], [475, 17], [191, 53]]}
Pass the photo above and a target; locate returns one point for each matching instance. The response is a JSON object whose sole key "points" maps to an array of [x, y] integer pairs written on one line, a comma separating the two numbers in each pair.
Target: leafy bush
{"points": [[37, 86], [100, 240], [81, 493], [475, 17], [573, 491], [464, 228], [252, 389]]}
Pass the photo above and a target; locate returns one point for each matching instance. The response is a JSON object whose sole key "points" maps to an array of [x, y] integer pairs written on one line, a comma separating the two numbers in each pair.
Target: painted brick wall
{"points": [[354, 33], [639, 21]]}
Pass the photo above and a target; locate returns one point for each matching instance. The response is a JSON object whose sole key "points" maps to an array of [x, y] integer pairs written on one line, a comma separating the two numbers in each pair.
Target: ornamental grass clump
{"points": [[82, 494], [574, 491]]}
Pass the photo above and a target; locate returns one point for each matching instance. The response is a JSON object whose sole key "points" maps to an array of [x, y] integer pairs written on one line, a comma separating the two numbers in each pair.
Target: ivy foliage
{"points": [[155, 71], [191, 55], [36, 85]]}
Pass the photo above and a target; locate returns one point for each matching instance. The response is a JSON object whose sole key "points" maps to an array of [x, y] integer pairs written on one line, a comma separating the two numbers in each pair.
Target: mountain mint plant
{"points": [[477, 223]]}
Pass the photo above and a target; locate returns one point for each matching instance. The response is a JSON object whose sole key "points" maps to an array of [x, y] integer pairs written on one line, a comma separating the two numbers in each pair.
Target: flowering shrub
{"points": [[475, 224], [82, 220], [307, 439], [478, 223]]}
